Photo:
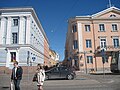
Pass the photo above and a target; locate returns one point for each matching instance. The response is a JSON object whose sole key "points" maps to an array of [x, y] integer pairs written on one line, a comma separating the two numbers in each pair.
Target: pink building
{"points": [[88, 35]]}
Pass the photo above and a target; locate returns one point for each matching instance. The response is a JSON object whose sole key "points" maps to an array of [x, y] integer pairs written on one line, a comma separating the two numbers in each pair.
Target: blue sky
{"points": [[53, 15]]}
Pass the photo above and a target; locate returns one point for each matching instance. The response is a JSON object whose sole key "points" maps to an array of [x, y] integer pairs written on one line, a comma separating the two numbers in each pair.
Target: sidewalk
{"points": [[26, 82], [100, 72]]}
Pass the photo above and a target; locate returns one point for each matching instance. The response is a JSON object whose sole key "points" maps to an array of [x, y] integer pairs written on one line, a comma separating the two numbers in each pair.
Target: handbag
{"points": [[12, 85], [35, 79]]}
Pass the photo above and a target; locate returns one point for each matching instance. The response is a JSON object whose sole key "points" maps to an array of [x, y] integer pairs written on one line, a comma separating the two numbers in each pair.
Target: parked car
{"points": [[60, 72]]}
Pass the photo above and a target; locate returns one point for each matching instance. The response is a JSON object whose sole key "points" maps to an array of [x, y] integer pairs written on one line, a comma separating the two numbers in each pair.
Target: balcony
{"points": [[108, 48]]}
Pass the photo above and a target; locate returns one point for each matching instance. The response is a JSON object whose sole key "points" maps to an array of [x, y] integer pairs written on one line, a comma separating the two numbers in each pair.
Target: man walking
{"points": [[16, 75]]}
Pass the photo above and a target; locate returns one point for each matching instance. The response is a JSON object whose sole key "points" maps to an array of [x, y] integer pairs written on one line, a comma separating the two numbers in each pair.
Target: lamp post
{"points": [[28, 61]]}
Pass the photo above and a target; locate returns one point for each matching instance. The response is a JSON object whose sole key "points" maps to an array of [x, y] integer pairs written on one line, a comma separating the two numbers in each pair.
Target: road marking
{"points": [[111, 81]]}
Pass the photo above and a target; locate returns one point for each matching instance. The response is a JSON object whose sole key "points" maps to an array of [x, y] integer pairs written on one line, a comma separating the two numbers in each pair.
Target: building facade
{"points": [[22, 38], [91, 38], [54, 57]]}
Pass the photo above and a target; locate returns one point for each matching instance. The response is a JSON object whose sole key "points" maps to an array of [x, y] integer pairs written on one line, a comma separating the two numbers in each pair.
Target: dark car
{"points": [[60, 72]]}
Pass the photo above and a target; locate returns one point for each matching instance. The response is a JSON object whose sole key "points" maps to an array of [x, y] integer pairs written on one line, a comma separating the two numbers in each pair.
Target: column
{"points": [[17, 55], [8, 31], [80, 38], [28, 29], [21, 29], [2, 29], [8, 59]]}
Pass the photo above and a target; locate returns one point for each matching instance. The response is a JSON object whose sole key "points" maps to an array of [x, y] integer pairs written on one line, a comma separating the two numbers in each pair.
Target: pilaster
{"points": [[2, 29], [28, 29], [8, 31], [8, 59], [21, 29]]}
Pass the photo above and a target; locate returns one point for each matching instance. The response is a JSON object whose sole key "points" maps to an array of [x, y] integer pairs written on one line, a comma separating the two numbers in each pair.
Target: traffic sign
{"points": [[103, 55], [33, 58]]}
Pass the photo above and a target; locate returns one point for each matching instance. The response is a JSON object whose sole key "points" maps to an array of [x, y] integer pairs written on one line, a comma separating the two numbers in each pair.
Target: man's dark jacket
{"points": [[18, 73]]}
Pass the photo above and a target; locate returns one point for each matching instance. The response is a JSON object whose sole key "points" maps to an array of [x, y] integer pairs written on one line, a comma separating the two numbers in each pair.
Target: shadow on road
{"points": [[57, 79]]}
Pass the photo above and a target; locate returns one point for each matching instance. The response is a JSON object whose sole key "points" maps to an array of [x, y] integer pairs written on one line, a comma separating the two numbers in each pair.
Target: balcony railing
{"points": [[109, 48]]}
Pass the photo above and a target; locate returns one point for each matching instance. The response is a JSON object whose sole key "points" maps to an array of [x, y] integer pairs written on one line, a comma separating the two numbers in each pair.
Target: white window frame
{"points": [[89, 43], [13, 22], [90, 59], [74, 28], [87, 28], [103, 29], [15, 38], [75, 44], [113, 27], [116, 37], [103, 42]]}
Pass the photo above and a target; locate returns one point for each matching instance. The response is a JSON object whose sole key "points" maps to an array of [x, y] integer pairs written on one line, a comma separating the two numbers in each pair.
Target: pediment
{"points": [[108, 13]]}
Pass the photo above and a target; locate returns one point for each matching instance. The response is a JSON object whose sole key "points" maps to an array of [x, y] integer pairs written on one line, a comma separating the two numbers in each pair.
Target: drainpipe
{"points": [[94, 46]]}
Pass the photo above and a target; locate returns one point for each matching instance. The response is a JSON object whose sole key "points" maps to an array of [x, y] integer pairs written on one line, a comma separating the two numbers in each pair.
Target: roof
{"points": [[25, 9], [97, 14], [106, 10]]}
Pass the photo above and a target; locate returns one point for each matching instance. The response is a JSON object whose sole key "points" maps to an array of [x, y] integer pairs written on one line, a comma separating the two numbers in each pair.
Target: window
{"points": [[76, 58], [14, 38], [115, 57], [74, 28], [13, 56], [87, 28], [15, 22], [112, 15], [55, 70], [88, 44], [101, 27], [75, 44], [89, 59], [116, 42], [114, 27], [63, 69], [103, 42]]}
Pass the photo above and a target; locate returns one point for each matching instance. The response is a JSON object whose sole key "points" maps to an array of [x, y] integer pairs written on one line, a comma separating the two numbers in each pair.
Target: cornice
{"points": [[25, 9]]}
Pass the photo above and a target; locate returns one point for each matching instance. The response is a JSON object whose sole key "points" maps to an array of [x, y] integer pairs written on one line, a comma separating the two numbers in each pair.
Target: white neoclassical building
{"points": [[22, 37]]}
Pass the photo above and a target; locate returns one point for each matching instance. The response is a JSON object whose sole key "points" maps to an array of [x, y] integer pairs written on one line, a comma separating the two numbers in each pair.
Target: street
{"points": [[86, 82], [81, 82]]}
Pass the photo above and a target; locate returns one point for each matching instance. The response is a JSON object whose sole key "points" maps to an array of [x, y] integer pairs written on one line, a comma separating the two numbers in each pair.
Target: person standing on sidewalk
{"points": [[40, 76], [16, 75]]}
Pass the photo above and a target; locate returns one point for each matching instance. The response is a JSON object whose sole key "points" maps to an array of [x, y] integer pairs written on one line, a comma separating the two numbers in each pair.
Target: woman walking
{"points": [[40, 76]]}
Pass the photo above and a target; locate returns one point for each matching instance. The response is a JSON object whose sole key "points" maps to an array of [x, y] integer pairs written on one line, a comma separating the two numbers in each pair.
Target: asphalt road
{"points": [[82, 82]]}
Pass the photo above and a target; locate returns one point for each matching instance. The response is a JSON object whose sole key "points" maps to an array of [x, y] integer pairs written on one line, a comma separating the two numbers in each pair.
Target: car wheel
{"points": [[70, 76]]}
